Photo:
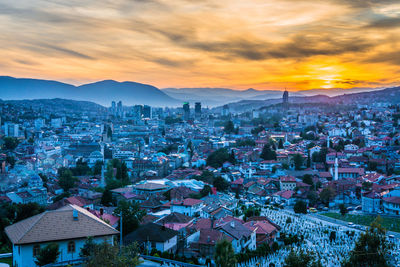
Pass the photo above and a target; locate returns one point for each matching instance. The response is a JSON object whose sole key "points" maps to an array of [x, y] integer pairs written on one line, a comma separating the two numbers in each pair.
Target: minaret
{"points": [[336, 169], [328, 141], [102, 181]]}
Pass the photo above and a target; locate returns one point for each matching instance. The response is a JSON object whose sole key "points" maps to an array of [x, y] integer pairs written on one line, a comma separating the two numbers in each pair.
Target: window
{"points": [[36, 250], [71, 247]]}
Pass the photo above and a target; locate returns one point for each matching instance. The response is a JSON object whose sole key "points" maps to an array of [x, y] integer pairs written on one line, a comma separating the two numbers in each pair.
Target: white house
{"points": [[188, 206], [69, 227]]}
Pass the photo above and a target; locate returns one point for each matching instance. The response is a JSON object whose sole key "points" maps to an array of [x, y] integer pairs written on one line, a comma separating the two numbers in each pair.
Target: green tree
{"points": [[342, 209], [307, 178], [371, 249], [298, 161], [97, 167], [105, 254], [229, 127], [300, 207], [87, 248], [107, 198], [267, 153], [326, 195], [24, 211], [224, 254], [10, 160], [66, 181], [221, 184], [280, 144], [48, 254], [301, 258], [217, 158], [10, 143], [131, 215], [81, 168]]}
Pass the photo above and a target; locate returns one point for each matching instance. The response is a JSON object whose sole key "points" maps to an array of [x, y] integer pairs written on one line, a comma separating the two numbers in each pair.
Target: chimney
{"points": [[101, 211], [75, 214], [233, 224]]}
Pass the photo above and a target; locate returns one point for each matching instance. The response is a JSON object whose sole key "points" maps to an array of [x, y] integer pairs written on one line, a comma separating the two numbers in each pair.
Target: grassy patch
{"points": [[6, 260], [391, 224]]}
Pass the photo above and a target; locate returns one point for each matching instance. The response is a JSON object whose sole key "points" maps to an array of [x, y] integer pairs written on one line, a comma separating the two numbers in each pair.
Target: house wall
{"points": [[23, 255], [167, 245]]}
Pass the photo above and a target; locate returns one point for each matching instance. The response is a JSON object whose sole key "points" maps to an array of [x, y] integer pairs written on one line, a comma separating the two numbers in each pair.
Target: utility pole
{"points": [[120, 232]]}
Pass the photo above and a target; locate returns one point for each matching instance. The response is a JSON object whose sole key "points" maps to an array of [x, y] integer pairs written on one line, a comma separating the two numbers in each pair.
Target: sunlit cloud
{"points": [[274, 44]]}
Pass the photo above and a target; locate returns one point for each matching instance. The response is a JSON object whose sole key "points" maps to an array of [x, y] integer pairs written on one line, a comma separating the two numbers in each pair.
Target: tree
{"points": [[81, 168], [343, 209], [371, 249], [105, 254], [267, 153], [301, 259], [87, 248], [221, 184], [229, 127], [10, 143], [307, 178], [298, 161], [107, 198], [280, 144], [205, 191], [66, 181], [10, 160], [300, 207], [224, 254], [332, 236], [131, 215], [27, 210], [217, 158], [326, 195], [48, 254], [97, 167]]}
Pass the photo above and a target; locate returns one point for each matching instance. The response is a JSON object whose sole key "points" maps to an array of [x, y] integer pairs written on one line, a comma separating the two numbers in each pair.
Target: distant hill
{"points": [[102, 92], [388, 95], [220, 96], [58, 105]]}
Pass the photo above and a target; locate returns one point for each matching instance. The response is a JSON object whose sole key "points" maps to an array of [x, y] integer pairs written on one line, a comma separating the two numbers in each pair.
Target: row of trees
{"points": [[102, 254]]}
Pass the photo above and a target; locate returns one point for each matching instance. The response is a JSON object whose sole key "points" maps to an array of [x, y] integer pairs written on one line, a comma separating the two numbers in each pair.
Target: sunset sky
{"points": [[263, 44]]}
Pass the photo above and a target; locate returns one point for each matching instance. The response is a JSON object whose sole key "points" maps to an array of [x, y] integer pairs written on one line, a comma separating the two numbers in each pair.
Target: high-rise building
{"points": [[225, 110], [285, 99], [137, 112], [113, 108], [186, 111], [39, 123], [119, 109], [146, 111], [197, 109], [11, 129]]}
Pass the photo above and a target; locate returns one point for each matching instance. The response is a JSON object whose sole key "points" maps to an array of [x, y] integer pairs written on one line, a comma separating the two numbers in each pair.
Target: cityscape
{"points": [[200, 133]]}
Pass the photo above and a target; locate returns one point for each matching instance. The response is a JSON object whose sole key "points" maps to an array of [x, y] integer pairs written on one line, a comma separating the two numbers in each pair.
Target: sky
{"points": [[239, 44]]}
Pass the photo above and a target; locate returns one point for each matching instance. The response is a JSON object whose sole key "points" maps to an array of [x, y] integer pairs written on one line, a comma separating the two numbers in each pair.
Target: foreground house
{"points": [[154, 236], [68, 226]]}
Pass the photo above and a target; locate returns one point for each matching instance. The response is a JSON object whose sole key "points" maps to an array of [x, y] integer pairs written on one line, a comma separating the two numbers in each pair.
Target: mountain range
{"points": [[388, 95], [102, 92], [131, 93]]}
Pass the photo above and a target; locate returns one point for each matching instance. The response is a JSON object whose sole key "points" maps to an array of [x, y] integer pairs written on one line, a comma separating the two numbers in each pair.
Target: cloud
{"points": [[385, 23]]}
